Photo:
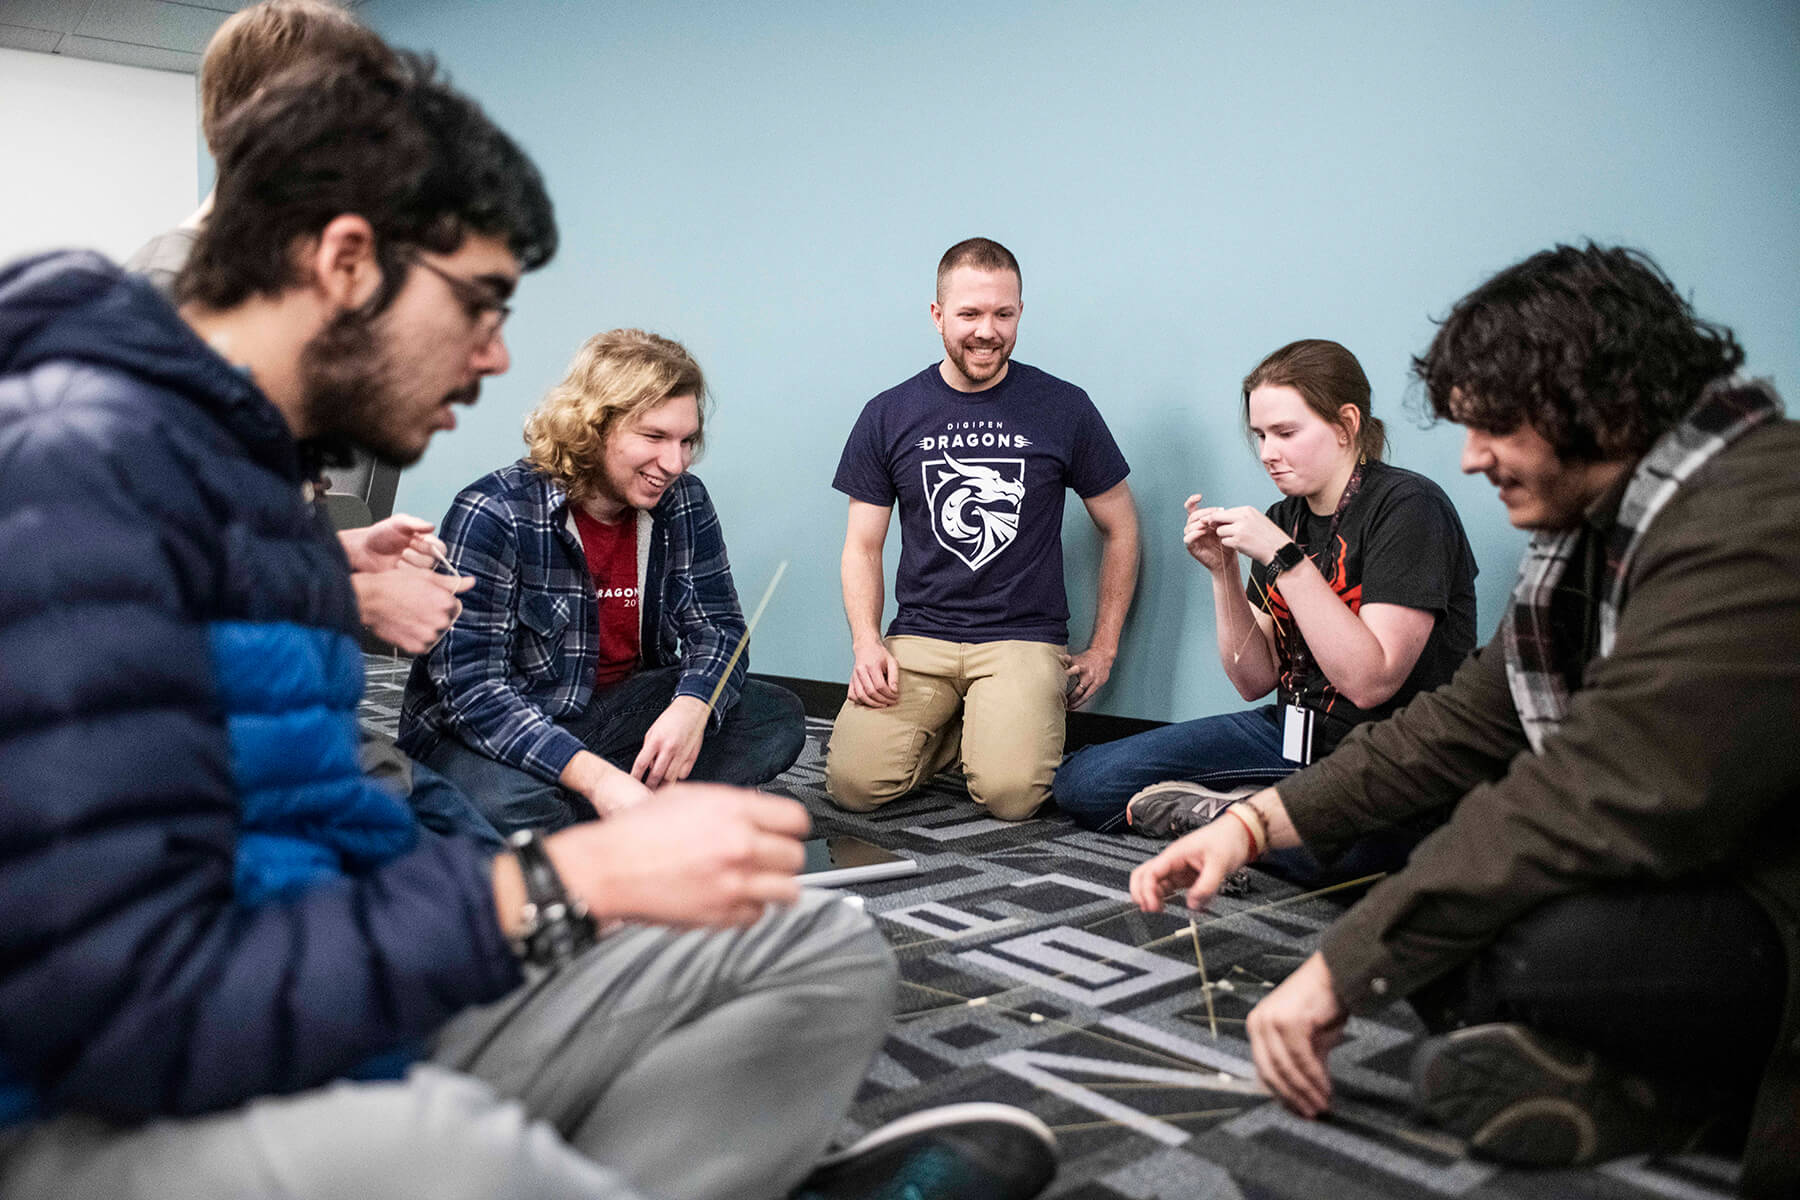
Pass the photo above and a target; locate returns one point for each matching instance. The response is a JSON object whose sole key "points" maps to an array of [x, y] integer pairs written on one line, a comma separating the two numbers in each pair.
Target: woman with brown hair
{"points": [[1361, 594]]}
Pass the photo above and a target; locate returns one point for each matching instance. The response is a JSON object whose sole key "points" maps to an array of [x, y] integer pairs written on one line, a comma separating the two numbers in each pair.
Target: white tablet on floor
{"points": [[840, 859]]}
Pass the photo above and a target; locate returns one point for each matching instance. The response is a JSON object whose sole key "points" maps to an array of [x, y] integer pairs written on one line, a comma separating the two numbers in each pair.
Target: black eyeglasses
{"points": [[487, 310]]}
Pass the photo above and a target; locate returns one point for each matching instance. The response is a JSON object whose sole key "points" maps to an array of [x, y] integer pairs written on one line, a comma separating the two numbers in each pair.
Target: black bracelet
{"points": [[557, 928]]}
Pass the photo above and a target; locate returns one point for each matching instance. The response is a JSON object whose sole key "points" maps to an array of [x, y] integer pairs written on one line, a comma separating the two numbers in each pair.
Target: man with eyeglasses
{"points": [[406, 608], [484, 300], [230, 964]]}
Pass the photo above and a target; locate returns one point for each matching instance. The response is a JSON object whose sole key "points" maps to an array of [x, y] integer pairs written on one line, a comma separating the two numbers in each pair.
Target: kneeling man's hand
{"points": [[1291, 1032], [703, 855], [875, 676], [1085, 674], [672, 744]]}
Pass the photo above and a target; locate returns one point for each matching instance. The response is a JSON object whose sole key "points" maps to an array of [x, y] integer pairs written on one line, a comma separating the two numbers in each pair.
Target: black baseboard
{"points": [[823, 700]]}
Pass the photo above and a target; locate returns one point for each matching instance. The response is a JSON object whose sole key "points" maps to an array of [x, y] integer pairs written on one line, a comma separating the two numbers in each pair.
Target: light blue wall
{"points": [[1187, 184]]}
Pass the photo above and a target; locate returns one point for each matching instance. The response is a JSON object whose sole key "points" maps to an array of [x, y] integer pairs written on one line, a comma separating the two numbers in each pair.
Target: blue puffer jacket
{"points": [[202, 900]]}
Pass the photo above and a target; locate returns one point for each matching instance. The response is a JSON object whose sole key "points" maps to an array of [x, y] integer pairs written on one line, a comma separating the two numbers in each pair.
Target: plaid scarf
{"points": [[1727, 409]]}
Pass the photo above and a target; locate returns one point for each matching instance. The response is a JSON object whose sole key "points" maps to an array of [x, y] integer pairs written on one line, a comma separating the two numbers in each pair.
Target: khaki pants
{"points": [[998, 704]]}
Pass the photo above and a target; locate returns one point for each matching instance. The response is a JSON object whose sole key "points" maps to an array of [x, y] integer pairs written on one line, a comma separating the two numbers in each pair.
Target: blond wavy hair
{"points": [[615, 376]]}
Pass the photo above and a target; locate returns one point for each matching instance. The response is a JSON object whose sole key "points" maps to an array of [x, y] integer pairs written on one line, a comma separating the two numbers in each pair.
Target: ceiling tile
{"points": [[154, 57], [59, 15], [180, 27], [17, 37]]}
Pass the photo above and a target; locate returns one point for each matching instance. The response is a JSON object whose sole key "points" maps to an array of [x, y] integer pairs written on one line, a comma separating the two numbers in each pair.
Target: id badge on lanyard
{"points": [[1297, 719], [1296, 733]]}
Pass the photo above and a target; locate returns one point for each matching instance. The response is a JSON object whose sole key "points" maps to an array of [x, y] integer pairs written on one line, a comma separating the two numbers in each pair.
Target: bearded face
{"points": [[977, 314], [387, 382], [345, 379]]}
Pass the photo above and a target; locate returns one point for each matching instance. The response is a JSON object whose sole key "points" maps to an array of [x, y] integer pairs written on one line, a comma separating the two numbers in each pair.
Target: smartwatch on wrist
{"points": [[1286, 559], [556, 927]]}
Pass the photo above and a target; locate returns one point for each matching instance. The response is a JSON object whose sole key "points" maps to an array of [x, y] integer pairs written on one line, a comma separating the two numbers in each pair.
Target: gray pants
{"points": [[678, 1066]]}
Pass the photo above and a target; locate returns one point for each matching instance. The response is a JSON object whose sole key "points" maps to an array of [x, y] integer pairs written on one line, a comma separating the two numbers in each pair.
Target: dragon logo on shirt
{"points": [[975, 505]]}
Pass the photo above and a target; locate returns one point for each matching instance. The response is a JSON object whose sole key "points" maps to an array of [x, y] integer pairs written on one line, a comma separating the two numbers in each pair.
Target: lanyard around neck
{"points": [[1351, 486], [1299, 657]]}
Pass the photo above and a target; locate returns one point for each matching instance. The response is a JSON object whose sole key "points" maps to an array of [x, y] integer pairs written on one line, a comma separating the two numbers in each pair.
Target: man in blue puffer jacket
{"points": [[207, 914]]}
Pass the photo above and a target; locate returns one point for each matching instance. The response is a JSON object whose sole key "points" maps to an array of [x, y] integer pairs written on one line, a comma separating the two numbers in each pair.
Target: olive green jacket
{"points": [[1680, 756]]}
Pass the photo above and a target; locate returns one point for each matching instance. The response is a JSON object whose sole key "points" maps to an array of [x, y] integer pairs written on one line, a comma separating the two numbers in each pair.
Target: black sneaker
{"points": [[1520, 1097], [957, 1152], [1176, 807]]}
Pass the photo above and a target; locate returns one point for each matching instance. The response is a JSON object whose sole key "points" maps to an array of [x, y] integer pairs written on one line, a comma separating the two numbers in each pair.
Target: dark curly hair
{"points": [[386, 140], [1591, 346]]}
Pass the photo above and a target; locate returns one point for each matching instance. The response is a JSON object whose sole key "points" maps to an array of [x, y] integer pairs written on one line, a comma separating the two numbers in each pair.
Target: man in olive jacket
{"points": [[1605, 934]]}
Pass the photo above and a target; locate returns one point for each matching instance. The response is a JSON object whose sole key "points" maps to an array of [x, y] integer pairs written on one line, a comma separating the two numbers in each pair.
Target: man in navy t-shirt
{"points": [[976, 450]]}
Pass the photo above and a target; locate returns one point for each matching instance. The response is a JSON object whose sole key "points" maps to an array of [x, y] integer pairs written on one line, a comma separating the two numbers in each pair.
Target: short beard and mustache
{"points": [[349, 381], [960, 356]]}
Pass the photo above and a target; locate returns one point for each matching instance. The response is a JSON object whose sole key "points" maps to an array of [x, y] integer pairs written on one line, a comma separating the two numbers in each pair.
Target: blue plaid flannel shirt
{"points": [[522, 655]]}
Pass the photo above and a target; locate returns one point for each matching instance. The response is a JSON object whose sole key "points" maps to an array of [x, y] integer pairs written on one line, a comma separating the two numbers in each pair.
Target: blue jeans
{"points": [[761, 736], [442, 808], [1226, 751]]}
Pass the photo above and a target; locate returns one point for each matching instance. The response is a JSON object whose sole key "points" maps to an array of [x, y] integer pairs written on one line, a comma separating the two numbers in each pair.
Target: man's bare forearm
{"points": [[1268, 805], [1118, 583], [863, 594], [1114, 513]]}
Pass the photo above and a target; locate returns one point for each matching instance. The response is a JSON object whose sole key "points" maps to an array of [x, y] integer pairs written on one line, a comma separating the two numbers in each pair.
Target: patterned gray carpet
{"points": [[1030, 979]]}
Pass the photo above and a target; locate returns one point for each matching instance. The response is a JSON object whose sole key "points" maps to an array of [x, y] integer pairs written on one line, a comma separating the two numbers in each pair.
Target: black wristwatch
{"points": [[556, 927], [1286, 559]]}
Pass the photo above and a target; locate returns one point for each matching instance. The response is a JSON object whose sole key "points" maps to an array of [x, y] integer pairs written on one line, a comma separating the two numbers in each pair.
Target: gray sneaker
{"points": [[1176, 807], [1517, 1096]]}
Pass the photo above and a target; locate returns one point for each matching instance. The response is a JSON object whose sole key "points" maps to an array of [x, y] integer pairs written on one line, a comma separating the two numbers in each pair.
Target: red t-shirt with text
{"points": [[611, 550]]}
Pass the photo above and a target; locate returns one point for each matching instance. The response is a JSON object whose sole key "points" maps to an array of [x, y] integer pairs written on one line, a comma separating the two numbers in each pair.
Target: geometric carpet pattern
{"points": [[1029, 978]]}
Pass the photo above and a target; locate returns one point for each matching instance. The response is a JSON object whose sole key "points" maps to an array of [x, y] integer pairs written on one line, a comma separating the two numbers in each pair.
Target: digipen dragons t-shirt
{"points": [[978, 478]]}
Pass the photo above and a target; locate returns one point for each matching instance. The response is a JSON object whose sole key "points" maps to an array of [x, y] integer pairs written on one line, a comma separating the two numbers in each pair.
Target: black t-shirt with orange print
{"points": [[1399, 542]]}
